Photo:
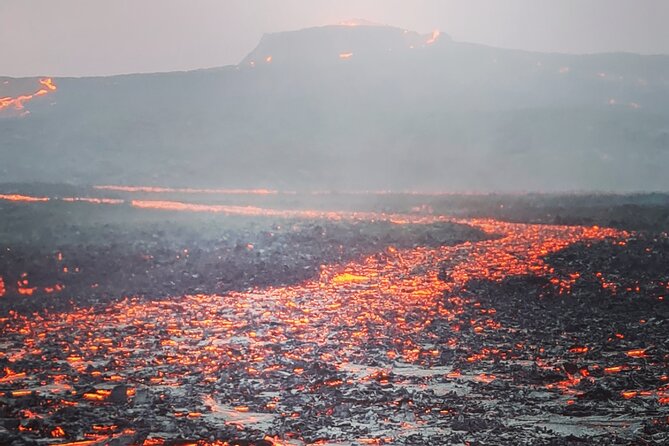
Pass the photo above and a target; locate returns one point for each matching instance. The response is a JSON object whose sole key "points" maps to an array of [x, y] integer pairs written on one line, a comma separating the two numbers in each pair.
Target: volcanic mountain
{"points": [[353, 107]]}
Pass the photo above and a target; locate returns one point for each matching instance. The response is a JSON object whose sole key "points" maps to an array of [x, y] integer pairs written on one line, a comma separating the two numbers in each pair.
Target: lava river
{"points": [[371, 352]]}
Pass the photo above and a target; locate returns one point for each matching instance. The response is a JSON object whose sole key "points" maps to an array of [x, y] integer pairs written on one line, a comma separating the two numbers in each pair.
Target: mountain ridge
{"points": [[358, 108]]}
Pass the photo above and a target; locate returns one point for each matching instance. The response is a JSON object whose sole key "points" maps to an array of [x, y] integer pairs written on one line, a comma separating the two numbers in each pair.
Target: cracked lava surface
{"points": [[370, 352]]}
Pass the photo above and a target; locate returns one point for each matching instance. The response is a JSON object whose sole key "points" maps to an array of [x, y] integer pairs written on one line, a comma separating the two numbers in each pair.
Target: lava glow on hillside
{"points": [[18, 102], [434, 37]]}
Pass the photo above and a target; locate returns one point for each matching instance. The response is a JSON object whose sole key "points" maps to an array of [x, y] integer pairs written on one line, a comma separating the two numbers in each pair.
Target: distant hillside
{"points": [[363, 107]]}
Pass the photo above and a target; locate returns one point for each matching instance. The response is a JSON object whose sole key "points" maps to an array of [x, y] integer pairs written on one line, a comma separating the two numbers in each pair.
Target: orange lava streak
{"points": [[17, 197], [345, 56], [2, 287], [579, 349], [434, 37], [18, 103], [81, 443], [640, 353], [11, 376], [253, 211], [629, 394], [348, 278], [180, 206]]}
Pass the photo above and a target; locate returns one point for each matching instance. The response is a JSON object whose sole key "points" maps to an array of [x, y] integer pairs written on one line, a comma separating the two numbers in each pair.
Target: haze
{"points": [[92, 37]]}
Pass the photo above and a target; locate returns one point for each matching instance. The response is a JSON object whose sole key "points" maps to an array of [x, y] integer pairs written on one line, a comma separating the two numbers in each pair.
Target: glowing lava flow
{"points": [[18, 103], [434, 37], [378, 310], [24, 198]]}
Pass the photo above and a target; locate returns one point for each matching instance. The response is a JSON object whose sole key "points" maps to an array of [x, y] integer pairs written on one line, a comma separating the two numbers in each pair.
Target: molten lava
{"points": [[363, 321], [18, 103], [434, 37], [25, 198]]}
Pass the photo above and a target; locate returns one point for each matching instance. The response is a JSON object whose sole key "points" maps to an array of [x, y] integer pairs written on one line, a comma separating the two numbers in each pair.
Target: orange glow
{"points": [[26, 291], [18, 103], [94, 396], [340, 279], [356, 22], [57, 288], [434, 37], [80, 443], [579, 349], [20, 393], [104, 429], [268, 59], [640, 353], [58, 432], [180, 206], [48, 83], [2, 287], [25, 198], [486, 378], [345, 56], [11, 376]]}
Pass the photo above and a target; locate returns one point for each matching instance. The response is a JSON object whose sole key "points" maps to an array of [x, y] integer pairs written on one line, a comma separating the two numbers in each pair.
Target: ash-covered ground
{"points": [[389, 322]]}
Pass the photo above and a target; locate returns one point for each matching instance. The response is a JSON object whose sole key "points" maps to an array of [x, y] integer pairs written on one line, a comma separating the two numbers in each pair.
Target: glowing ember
{"points": [[640, 353], [345, 56], [348, 278], [629, 394], [58, 432], [579, 349]]}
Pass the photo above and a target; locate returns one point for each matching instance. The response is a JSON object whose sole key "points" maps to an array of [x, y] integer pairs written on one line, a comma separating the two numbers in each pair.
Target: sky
{"points": [[102, 37]]}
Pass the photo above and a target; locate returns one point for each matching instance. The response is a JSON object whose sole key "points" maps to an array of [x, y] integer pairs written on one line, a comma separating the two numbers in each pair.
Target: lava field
{"points": [[489, 333]]}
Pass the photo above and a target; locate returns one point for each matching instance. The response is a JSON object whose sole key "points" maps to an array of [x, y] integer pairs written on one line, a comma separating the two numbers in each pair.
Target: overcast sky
{"points": [[98, 37]]}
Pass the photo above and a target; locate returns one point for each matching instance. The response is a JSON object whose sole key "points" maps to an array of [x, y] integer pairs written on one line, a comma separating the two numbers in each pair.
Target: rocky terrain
{"points": [[195, 327]]}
